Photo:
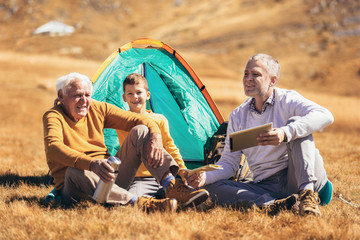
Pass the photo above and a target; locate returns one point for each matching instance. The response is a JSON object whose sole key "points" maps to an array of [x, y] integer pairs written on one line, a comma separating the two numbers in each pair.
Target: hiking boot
{"points": [[309, 203], [282, 204], [184, 194], [206, 206], [151, 204]]}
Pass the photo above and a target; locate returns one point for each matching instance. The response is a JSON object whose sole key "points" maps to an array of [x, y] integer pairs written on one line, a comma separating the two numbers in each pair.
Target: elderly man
{"points": [[285, 162], [77, 155]]}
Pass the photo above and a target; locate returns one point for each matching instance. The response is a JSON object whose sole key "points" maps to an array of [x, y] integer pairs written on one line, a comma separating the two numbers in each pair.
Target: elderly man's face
{"points": [[256, 81], [77, 99]]}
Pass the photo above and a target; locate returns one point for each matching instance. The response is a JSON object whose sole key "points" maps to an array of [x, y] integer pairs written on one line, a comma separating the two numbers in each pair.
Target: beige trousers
{"points": [[81, 184]]}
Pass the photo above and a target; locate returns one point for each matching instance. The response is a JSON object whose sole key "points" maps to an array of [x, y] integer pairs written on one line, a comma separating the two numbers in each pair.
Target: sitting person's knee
{"points": [[73, 173], [140, 129], [70, 171]]}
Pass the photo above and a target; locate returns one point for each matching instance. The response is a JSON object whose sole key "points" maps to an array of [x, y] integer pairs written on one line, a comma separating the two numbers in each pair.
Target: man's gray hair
{"points": [[271, 64], [64, 81]]}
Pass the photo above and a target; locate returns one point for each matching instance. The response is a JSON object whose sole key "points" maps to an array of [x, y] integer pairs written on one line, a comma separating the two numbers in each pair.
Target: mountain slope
{"points": [[316, 42]]}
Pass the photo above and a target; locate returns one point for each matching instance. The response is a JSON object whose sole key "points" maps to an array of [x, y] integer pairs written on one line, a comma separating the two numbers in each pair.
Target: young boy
{"points": [[136, 94]]}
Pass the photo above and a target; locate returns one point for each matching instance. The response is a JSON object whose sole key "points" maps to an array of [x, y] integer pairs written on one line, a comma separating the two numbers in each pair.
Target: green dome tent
{"points": [[176, 92]]}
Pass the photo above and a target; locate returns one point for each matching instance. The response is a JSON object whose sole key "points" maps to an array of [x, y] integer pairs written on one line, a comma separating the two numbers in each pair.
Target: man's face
{"points": [[256, 81], [77, 99], [136, 96]]}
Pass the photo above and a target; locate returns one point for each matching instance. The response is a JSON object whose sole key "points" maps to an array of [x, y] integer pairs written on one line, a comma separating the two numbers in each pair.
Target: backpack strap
{"points": [[244, 173]]}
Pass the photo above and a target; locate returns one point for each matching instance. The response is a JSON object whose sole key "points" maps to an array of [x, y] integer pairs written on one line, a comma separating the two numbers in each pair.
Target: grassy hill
{"points": [[315, 41]]}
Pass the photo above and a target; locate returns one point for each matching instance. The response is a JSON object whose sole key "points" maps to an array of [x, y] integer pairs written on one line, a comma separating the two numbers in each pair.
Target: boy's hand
{"points": [[196, 180], [155, 150], [183, 173], [273, 137], [103, 169]]}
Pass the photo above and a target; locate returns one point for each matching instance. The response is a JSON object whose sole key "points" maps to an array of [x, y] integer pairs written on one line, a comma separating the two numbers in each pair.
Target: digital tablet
{"points": [[247, 138]]}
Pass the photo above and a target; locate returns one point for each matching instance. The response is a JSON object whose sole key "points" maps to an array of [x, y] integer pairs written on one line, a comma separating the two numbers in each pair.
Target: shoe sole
{"points": [[314, 212], [196, 200]]}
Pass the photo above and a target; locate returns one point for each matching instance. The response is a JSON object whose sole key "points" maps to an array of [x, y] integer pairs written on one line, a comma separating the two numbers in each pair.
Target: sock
{"points": [[166, 181], [133, 200], [307, 185]]}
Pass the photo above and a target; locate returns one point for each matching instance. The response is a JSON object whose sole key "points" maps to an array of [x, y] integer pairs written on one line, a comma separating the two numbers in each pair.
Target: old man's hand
{"points": [[155, 152], [103, 169]]}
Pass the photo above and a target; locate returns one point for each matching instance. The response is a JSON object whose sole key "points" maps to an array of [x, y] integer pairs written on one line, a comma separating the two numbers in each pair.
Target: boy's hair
{"points": [[133, 79]]}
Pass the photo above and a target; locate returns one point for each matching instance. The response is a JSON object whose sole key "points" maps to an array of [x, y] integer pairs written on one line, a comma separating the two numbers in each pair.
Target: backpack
{"points": [[213, 149]]}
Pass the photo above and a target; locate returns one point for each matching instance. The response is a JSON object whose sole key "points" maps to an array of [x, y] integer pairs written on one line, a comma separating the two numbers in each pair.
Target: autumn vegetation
{"points": [[316, 43]]}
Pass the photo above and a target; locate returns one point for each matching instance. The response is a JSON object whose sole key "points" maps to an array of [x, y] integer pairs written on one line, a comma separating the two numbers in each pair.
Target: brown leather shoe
{"points": [[151, 204], [184, 194], [282, 204]]}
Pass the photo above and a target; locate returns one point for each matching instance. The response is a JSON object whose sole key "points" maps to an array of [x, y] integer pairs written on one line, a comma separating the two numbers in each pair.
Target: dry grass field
{"points": [[314, 62]]}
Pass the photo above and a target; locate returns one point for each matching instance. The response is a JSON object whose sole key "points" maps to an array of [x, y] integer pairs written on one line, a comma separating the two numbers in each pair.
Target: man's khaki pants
{"points": [[81, 184]]}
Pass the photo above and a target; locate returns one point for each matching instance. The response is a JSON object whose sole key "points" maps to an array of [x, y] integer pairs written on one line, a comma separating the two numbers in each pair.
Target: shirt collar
{"points": [[269, 101]]}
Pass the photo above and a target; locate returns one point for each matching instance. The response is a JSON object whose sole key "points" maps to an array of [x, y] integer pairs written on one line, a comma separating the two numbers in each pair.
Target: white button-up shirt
{"points": [[265, 161]]}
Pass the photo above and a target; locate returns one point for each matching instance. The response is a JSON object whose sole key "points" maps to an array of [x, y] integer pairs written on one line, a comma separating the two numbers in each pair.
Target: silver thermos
{"points": [[102, 191]]}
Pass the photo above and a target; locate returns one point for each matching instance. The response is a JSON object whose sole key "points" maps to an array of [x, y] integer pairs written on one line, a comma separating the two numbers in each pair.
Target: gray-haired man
{"points": [[286, 160]]}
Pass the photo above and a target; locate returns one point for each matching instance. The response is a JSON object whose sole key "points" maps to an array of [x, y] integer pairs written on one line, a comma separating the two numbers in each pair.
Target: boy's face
{"points": [[136, 96]]}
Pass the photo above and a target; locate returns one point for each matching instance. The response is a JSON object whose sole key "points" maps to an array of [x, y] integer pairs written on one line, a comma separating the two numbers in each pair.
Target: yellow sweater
{"points": [[168, 142], [76, 144]]}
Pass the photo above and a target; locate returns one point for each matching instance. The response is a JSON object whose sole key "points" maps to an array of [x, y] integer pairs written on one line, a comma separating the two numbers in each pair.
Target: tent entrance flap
{"points": [[163, 102]]}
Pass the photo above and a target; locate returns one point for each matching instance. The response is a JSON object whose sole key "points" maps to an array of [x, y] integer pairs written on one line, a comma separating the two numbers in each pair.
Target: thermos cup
{"points": [[102, 191]]}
